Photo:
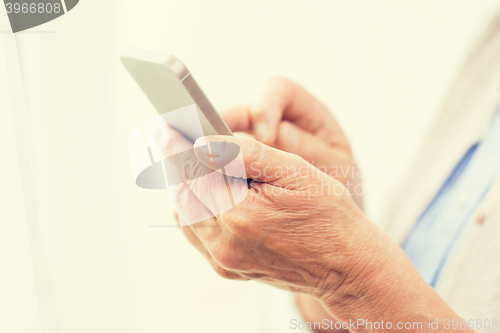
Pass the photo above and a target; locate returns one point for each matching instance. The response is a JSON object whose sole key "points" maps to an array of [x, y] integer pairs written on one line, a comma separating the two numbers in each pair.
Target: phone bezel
{"points": [[181, 71]]}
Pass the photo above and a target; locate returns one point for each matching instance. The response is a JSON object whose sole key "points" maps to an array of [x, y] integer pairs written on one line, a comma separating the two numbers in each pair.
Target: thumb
{"points": [[242, 157]]}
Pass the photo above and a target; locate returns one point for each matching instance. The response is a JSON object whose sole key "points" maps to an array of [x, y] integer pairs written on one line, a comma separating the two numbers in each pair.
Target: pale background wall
{"points": [[382, 66]]}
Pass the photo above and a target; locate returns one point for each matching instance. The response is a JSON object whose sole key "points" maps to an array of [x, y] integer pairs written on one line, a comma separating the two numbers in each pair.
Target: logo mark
{"points": [[162, 158], [26, 14]]}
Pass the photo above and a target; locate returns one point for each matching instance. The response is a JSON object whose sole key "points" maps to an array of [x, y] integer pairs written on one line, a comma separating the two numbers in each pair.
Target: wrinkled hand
{"points": [[289, 118], [297, 228]]}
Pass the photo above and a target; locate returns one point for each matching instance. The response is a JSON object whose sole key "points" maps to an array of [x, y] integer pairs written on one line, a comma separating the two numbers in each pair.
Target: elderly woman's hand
{"points": [[285, 116], [297, 228]]}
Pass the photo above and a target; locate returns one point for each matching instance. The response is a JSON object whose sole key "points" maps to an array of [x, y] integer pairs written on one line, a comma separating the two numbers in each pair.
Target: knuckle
{"points": [[253, 152], [275, 88], [230, 257], [243, 225], [227, 260], [258, 111], [279, 86], [238, 222]]}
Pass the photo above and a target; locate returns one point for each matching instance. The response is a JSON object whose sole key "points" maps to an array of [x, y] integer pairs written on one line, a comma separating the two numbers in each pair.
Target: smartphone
{"points": [[182, 105], [169, 86]]}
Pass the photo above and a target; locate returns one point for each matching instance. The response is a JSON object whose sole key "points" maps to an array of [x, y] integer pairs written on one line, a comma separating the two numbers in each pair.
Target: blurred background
{"points": [[77, 250]]}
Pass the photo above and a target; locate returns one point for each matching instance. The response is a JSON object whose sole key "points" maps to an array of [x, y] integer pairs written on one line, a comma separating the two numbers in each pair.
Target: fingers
{"points": [[190, 210], [282, 99], [238, 118], [196, 242], [199, 194], [259, 162], [269, 108], [294, 139], [307, 112]]}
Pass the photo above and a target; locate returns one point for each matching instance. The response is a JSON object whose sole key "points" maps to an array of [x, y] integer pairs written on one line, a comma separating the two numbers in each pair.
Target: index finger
{"points": [[282, 99]]}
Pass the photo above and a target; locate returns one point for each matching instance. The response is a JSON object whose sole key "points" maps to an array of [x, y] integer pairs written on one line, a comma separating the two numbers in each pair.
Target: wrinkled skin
{"points": [[288, 232], [294, 229], [285, 116]]}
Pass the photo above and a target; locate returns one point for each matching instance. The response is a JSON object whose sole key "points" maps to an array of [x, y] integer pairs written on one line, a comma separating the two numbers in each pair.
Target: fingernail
{"points": [[211, 146], [261, 132]]}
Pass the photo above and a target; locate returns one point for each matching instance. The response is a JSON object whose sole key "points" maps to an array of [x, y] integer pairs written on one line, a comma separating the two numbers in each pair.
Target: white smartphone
{"points": [[169, 86]]}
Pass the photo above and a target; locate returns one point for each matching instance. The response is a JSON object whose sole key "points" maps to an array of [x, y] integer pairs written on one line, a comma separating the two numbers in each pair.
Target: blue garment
{"points": [[440, 226]]}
